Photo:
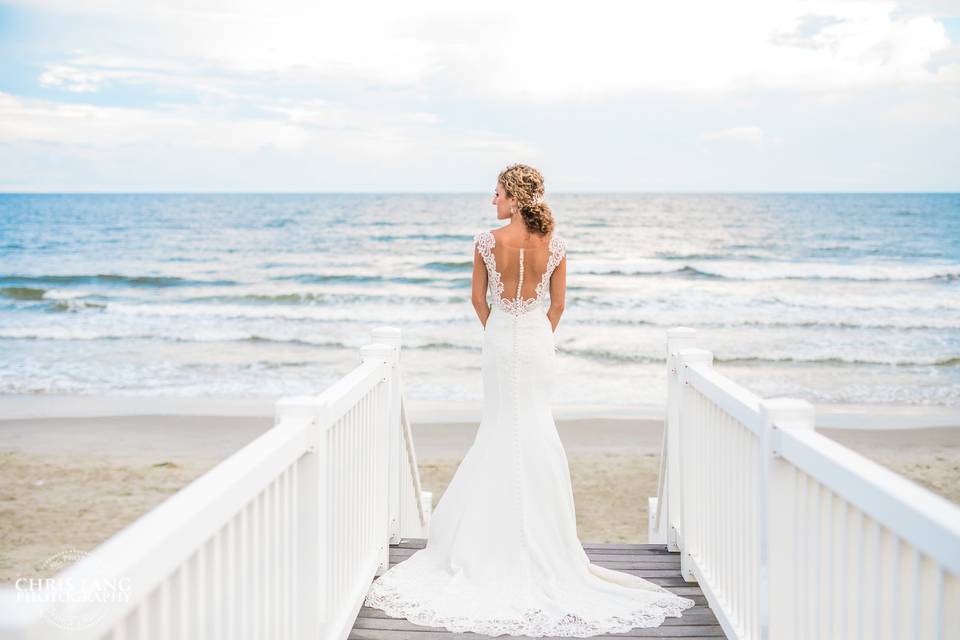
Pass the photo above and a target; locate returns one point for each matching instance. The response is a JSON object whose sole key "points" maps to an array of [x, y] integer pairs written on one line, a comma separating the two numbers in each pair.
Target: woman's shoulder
{"points": [[484, 241], [558, 244], [487, 239]]}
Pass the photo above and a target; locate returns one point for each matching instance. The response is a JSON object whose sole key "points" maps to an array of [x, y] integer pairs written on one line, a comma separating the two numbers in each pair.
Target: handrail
{"points": [[734, 399], [281, 539], [925, 519], [145, 550], [761, 508]]}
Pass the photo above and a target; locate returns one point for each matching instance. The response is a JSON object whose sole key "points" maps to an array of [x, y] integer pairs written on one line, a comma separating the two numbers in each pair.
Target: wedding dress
{"points": [[503, 556]]}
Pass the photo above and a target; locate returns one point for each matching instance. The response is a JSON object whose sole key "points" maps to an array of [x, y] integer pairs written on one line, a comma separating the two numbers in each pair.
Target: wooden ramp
{"points": [[651, 561]]}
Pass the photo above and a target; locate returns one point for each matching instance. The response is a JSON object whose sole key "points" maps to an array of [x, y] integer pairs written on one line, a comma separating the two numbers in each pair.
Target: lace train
{"points": [[392, 593]]}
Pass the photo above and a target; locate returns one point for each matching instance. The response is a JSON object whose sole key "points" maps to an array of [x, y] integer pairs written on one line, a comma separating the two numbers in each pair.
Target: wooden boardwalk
{"points": [[651, 561]]}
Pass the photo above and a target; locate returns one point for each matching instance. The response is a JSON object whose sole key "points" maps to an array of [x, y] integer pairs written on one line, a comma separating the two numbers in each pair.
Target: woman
{"points": [[503, 555]]}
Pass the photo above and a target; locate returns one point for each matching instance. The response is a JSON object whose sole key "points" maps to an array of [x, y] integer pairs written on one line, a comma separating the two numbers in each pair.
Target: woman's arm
{"points": [[558, 292], [480, 287]]}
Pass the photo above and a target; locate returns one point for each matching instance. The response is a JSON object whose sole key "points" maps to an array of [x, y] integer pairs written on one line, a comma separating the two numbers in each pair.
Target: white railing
{"points": [[788, 533], [280, 540]]}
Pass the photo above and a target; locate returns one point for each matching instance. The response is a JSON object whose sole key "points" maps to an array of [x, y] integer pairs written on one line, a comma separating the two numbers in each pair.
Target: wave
{"points": [[73, 306], [32, 294], [454, 265], [129, 312], [840, 324], [456, 237], [705, 256], [952, 361], [315, 299], [736, 270], [639, 358], [437, 346], [906, 325], [684, 271], [22, 293], [610, 356], [112, 279], [320, 278], [327, 278], [81, 335], [310, 342]]}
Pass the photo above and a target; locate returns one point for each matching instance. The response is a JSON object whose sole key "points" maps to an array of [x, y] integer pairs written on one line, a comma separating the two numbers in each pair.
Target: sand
{"points": [[72, 482]]}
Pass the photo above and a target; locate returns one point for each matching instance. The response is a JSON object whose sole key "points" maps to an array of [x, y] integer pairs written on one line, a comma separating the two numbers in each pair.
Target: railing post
{"points": [[777, 518], [387, 354], [312, 546], [691, 502], [392, 337], [677, 338]]}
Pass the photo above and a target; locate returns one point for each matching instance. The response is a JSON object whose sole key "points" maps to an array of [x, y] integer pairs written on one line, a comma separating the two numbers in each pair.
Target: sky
{"points": [[439, 96]]}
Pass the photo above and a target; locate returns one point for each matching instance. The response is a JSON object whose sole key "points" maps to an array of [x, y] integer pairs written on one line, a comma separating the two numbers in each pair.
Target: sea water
{"points": [[828, 297]]}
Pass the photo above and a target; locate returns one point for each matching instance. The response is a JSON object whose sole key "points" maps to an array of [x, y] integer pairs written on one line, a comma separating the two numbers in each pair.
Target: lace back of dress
{"points": [[520, 276]]}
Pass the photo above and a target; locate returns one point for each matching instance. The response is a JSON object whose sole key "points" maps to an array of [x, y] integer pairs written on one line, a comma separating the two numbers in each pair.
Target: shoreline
{"points": [[879, 416]]}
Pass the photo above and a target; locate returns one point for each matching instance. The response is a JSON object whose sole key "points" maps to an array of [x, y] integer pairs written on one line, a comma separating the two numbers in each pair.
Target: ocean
{"points": [[833, 298]]}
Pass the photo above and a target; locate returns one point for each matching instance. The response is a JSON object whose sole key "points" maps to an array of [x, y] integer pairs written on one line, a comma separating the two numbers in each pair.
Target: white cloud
{"points": [[87, 125], [71, 78], [88, 74], [350, 134], [537, 52], [751, 135]]}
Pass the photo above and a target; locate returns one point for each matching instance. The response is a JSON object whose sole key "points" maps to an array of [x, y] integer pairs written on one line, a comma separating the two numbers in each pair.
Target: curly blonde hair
{"points": [[526, 184]]}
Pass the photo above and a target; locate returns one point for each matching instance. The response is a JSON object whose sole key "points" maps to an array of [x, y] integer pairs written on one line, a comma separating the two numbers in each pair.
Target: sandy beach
{"points": [[75, 480]]}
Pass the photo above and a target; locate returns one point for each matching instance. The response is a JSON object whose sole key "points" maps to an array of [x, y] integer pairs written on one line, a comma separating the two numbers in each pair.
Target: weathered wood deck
{"points": [[651, 561]]}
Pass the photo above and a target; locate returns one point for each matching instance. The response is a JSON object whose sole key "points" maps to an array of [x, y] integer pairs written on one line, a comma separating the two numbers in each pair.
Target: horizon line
{"points": [[590, 192]]}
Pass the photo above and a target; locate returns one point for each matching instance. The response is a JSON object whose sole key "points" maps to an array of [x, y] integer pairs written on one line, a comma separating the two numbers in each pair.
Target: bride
{"points": [[503, 556]]}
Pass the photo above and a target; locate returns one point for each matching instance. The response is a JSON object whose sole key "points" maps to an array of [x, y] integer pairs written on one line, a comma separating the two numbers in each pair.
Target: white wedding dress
{"points": [[503, 556]]}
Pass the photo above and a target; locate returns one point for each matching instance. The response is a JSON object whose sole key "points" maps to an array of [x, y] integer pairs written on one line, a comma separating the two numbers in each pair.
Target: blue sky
{"points": [[218, 95]]}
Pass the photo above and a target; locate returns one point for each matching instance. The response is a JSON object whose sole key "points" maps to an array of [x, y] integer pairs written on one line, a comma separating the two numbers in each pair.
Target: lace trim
{"points": [[385, 595], [485, 241], [558, 249]]}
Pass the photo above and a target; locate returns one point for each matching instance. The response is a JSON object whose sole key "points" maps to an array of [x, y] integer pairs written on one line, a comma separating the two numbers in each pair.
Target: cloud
{"points": [[523, 52], [347, 133], [751, 135], [71, 78], [805, 32], [430, 93], [87, 125]]}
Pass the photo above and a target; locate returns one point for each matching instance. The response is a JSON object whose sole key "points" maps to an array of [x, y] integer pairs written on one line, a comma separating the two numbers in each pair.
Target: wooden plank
{"points": [[372, 618], [400, 626], [698, 599], [619, 565], [419, 543], [590, 551], [649, 574], [663, 632], [641, 564], [652, 565], [594, 556], [650, 561]]}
